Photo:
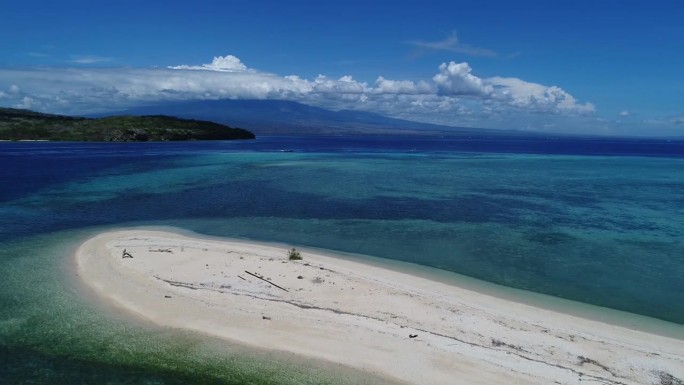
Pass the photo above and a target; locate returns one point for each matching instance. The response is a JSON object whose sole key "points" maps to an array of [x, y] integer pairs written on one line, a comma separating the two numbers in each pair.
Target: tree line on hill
{"points": [[17, 124]]}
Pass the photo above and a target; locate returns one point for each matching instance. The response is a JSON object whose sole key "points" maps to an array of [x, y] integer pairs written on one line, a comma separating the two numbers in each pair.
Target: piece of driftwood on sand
{"points": [[267, 281]]}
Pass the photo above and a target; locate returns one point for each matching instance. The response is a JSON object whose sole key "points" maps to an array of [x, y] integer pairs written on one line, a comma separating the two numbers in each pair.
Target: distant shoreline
{"points": [[26, 125], [360, 315]]}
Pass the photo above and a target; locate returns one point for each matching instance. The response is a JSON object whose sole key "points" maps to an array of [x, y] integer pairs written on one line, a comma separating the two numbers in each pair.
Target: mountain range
{"points": [[273, 117]]}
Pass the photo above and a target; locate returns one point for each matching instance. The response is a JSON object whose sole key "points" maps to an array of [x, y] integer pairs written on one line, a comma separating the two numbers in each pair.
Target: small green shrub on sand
{"points": [[294, 255]]}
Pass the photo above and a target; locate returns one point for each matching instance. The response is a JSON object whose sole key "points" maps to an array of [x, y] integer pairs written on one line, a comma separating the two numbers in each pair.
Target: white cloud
{"points": [[89, 59], [456, 79], [408, 87], [452, 44], [69, 90], [520, 93], [344, 85], [677, 119], [228, 63], [453, 96], [626, 113], [26, 103]]}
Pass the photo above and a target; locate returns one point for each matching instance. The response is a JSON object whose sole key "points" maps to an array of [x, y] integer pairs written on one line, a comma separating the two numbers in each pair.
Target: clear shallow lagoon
{"points": [[600, 222]]}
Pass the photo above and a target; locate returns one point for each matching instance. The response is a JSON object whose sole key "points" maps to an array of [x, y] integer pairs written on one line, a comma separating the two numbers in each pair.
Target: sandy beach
{"points": [[373, 319]]}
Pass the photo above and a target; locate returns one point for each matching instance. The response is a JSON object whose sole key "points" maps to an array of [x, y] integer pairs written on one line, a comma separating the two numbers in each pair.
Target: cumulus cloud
{"points": [[536, 96], [228, 63], [451, 44], [26, 103], [407, 87], [342, 86], [456, 79], [626, 113], [454, 95]]}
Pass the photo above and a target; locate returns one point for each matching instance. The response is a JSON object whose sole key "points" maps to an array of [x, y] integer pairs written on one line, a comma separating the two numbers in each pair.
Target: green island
{"points": [[18, 124]]}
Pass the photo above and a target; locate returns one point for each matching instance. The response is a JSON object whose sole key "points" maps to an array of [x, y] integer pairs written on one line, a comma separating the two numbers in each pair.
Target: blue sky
{"points": [[601, 67]]}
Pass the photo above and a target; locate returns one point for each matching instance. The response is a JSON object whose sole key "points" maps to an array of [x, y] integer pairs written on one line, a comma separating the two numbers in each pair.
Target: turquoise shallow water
{"points": [[601, 229]]}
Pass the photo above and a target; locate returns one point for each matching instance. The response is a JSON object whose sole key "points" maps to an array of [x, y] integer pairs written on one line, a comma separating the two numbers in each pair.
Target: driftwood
{"points": [[162, 251], [413, 335], [126, 254], [267, 281]]}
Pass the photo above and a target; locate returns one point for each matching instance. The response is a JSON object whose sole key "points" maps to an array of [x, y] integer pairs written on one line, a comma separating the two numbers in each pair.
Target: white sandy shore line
{"points": [[373, 319]]}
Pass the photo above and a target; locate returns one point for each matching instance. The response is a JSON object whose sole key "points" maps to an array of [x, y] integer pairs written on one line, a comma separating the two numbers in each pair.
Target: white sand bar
{"points": [[377, 320]]}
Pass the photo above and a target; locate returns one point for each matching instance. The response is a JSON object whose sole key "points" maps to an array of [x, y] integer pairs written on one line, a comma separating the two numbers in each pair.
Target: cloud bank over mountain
{"points": [[454, 95]]}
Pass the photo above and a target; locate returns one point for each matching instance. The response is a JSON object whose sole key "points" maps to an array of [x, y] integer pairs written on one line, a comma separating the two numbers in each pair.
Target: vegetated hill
{"points": [[18, 124], [269, 117]]}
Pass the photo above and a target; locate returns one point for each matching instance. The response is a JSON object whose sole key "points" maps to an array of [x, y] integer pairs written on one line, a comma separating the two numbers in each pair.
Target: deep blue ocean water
{"points": [[592, 220]]}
